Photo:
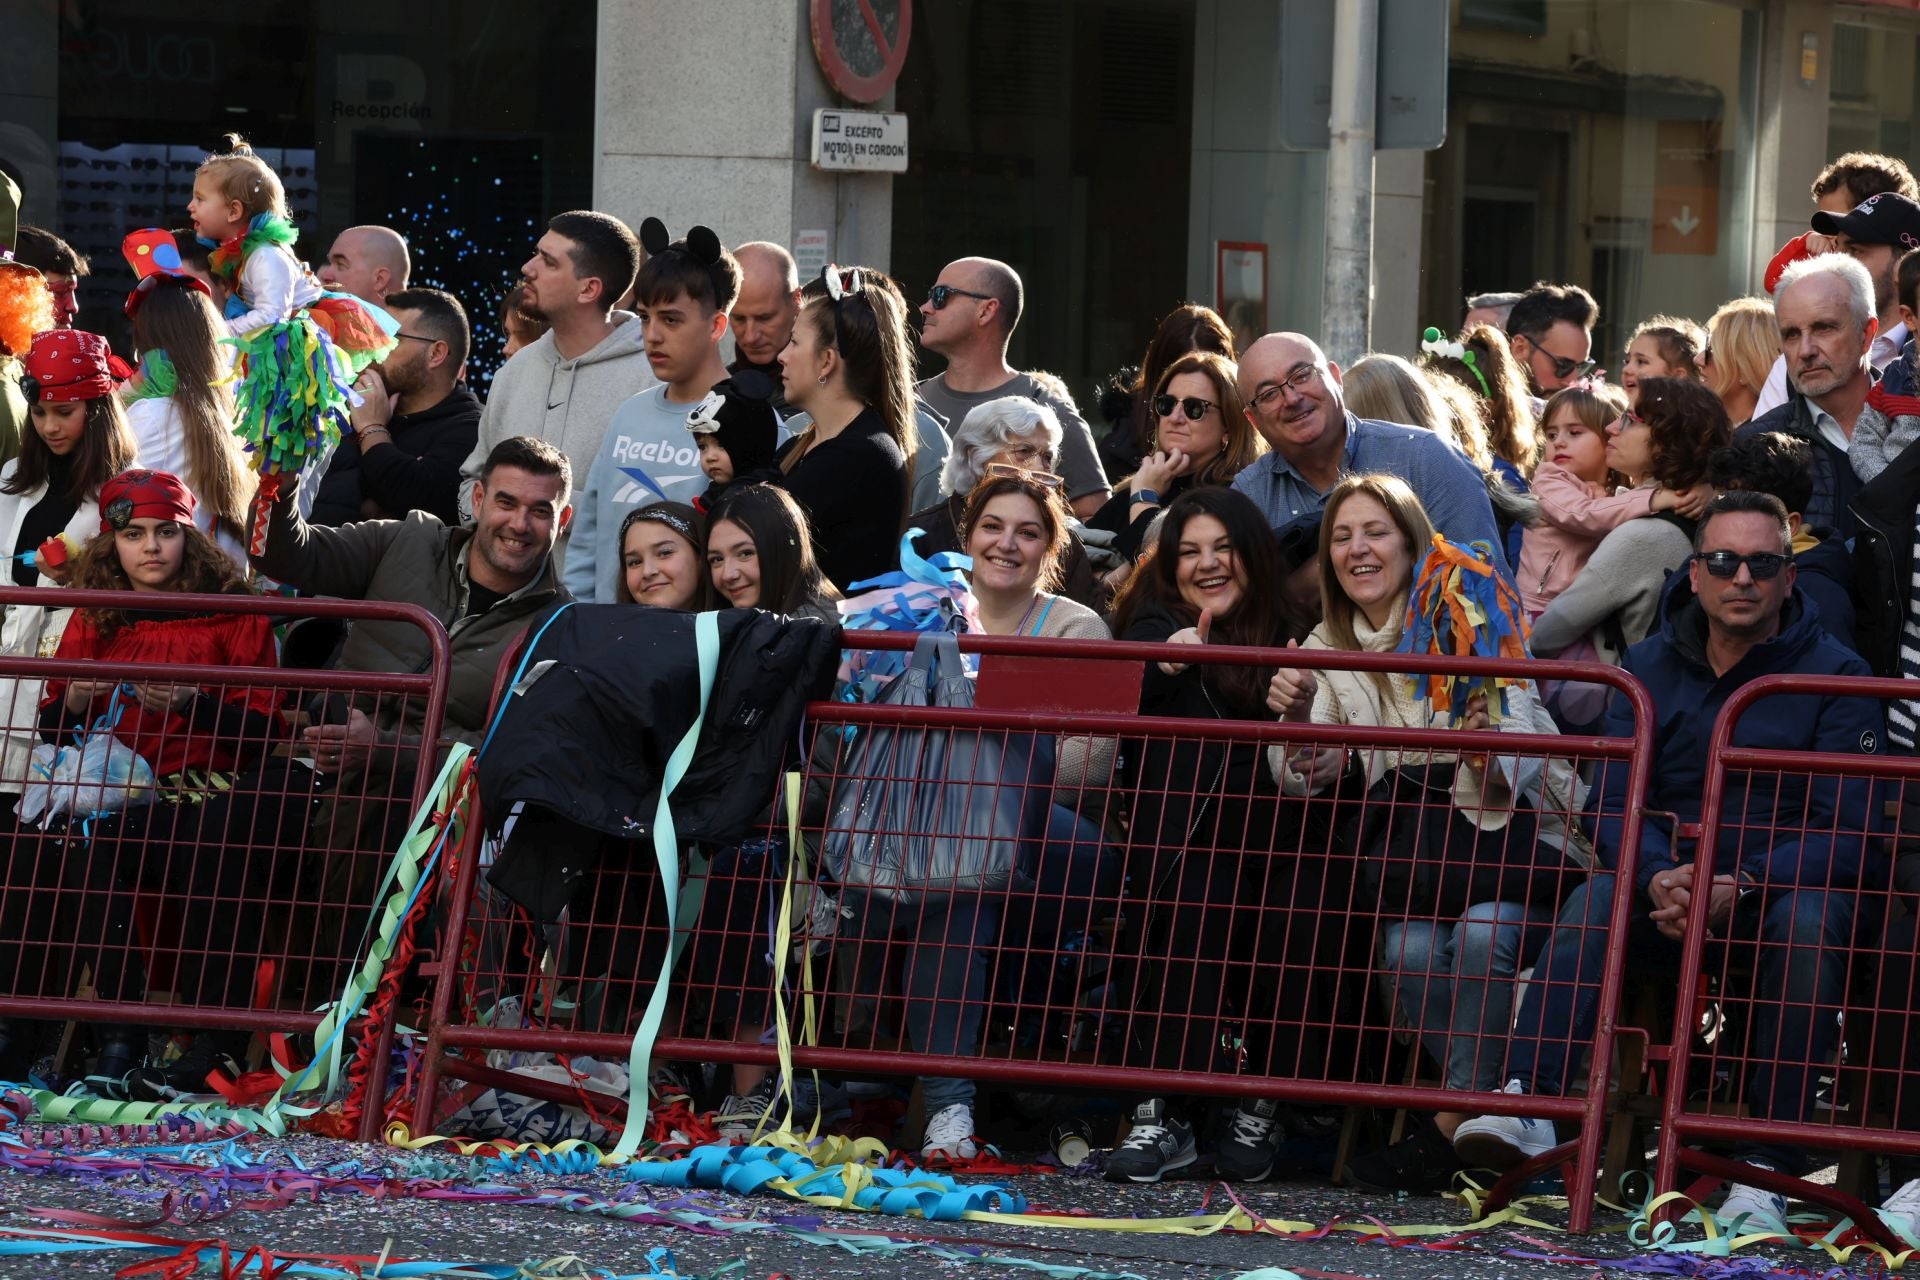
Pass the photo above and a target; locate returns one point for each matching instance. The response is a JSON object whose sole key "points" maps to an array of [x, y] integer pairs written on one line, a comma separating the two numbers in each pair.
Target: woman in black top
{"points": [[850, 368], [1212, 836]]}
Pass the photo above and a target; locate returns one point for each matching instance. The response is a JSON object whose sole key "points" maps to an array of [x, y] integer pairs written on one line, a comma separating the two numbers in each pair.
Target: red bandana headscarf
{"points": [[144, 495], [72, 364]]}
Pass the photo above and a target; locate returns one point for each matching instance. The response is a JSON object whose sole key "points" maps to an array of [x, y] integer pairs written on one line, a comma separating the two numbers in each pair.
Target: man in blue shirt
{"points": [[1293, 398]]}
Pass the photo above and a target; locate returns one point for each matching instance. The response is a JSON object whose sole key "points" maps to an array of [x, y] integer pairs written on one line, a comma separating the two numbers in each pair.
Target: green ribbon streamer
{"points": [[404, 874], [706, 634]]}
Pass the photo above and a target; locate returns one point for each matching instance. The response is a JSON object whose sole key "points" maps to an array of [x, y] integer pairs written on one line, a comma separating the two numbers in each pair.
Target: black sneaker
{"points": [[1246, 1153], [187, 1074], [1155, 1146], [122, 1054], [1422, 1163]]}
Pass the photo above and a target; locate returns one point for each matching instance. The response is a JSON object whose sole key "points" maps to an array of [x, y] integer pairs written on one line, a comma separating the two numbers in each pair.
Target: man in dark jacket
{"points": [[1779, 464], [1825, 310], [1791, 848], [414, 425]]}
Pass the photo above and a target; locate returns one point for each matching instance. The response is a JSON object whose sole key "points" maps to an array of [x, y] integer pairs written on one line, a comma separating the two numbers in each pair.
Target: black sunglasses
{"points": [[1563, 366], [1763, 565], [941, 294], [1195, 407]]}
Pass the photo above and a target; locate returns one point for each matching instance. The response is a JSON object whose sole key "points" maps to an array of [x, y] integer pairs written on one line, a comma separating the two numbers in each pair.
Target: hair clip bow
{"points": [[842, 281], [706, 415]]}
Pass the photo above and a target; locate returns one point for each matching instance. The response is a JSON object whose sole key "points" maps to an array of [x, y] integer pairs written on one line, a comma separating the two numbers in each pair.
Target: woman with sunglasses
{"points": [[1665, 441], [849, 366], [1201, 436]]}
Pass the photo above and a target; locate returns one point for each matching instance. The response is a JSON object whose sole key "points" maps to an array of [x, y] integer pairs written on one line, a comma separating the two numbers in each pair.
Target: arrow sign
{"points": [[1686, 223]]}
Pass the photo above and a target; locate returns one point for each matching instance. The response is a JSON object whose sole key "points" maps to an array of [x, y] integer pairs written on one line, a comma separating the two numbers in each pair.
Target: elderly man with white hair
{"points": [[1824, 307], [1011, 431]]}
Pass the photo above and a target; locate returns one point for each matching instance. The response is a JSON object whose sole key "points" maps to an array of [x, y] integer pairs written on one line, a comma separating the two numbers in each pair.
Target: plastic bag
{"points": [[926, 813], [100, 776]]}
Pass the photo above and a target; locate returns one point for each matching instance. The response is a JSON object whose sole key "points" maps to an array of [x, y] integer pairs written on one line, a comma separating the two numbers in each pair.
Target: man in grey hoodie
{"points": [[564, 387]]}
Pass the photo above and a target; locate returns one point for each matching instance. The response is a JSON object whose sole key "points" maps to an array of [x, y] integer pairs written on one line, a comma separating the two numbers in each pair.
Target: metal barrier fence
{"points": [[1171, 912], [1796, 1029], [178, 853]]}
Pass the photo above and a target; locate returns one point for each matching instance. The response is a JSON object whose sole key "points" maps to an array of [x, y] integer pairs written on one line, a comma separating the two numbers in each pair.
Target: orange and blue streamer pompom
{"points": [[1460, 606]]}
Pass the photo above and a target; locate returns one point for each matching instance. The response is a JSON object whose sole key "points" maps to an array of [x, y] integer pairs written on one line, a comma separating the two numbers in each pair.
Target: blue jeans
{"points": [[1798, 988], [1455, 983]]}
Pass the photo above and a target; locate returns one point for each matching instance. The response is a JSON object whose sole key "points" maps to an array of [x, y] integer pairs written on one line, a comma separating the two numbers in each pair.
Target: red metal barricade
{"points": [[1178, 922], [1797, 1000], [220, 880]]}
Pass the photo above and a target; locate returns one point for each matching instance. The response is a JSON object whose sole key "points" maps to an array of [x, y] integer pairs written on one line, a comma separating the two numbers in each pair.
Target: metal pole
{"points": [[1347, 293]]}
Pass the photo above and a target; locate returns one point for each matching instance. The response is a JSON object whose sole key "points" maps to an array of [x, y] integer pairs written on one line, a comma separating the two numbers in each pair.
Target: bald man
{"points": [[762, 318], [969, 317], [367, 262], [1293, 398]]}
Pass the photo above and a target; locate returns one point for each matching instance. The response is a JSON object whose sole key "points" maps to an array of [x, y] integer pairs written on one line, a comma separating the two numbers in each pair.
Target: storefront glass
{"points": [[461, 126]]}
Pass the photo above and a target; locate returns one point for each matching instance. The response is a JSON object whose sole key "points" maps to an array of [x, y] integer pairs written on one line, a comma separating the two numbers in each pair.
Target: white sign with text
{"points": [[859, 141]]}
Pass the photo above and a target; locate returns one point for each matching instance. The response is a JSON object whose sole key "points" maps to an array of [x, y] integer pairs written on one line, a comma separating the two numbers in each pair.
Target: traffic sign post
{"points": [[1410, 75]]}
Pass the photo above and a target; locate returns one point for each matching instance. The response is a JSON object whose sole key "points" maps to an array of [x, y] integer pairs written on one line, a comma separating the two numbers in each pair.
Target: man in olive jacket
{"points": [[484, 581]]}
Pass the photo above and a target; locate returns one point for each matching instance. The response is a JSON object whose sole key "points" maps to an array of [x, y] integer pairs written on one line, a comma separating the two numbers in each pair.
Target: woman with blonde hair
{"points": [[1479, 849], [1743, 341]]}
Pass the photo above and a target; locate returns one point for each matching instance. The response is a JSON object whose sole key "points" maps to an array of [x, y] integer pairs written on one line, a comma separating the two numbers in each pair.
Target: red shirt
{"points": [[168, 740]]}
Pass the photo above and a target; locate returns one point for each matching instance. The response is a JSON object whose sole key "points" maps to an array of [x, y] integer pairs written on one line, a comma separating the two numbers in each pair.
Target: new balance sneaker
{"points": [[1155, 1146], [743, 1113], [1501, 1142], [1901, 1211], [1422, 1163], [1246, 1153], [950, 1134], [1749, 1210]]}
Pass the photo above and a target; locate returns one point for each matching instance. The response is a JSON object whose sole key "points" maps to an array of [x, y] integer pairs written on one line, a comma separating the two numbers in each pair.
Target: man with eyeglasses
{"points": [[1551, 331], [1824, 307], [1792, 850], [414, 425], [969, 317], [1293, 398]]}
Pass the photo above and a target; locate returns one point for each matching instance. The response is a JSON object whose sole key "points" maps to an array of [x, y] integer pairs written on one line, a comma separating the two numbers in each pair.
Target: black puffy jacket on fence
{"points": [[609, 691]]}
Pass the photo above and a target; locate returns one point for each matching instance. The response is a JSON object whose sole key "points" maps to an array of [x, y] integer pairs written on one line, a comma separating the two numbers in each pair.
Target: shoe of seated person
{"points": [[950, 1134], [743, 1115], [1421, 1164], [186, 1075], [1749, 1210], [1502, 1142], [1155, 1146], [1901, 1211], [122, 1054], [1247, 1151]]}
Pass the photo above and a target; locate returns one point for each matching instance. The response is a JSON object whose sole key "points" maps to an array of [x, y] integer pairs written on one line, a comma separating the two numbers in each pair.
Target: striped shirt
{"points": [[1903, 716]]}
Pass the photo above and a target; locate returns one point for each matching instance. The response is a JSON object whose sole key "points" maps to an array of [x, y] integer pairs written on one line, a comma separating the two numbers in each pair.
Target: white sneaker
{"points": [[950, 1134], [1501, 1142], [1748, 1210], [1901, 1211], [744, 1115]]}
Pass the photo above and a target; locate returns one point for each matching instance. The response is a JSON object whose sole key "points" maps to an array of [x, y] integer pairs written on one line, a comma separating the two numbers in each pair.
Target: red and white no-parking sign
{"points": [[862, 44]]}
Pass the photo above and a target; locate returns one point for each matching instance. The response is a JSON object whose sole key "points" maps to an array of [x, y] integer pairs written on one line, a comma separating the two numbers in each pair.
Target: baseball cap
{"points": [[1888, 218]]}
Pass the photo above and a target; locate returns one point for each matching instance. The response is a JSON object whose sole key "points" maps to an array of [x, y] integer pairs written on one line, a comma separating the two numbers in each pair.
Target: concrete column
{"points": [[706, 115], [1793, 126], [30, 106]]}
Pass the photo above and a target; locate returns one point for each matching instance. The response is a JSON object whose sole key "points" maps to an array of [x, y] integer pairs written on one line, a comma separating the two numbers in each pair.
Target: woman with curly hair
{"points": [[220, 792], [26, 308]]}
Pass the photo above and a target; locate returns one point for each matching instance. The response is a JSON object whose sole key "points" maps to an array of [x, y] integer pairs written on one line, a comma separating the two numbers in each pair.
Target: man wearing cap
{"points": [[26, 308], [1875, 235]]}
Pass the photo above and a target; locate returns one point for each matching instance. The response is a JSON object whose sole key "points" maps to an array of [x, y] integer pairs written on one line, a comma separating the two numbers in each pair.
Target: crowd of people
{"points": [[1740, 502]]}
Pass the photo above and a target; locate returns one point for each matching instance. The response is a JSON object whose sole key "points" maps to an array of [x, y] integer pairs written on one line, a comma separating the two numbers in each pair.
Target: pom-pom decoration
{"points": [[1461, 607]]}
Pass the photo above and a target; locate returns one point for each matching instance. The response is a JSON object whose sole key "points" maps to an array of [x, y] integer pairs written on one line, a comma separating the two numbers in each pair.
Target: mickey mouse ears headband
{"points": [[1435, 343]]}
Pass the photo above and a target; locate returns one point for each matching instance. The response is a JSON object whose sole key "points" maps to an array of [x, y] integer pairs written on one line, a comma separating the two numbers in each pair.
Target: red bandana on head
{"points": [[72, 364], [144, 495]]}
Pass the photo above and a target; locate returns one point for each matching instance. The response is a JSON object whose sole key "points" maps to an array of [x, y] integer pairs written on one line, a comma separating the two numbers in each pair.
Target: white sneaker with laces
{"points": [[950, 1134], [1901, 1211], [1749, 1210], [744, 1114], [1502, 1142]]}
